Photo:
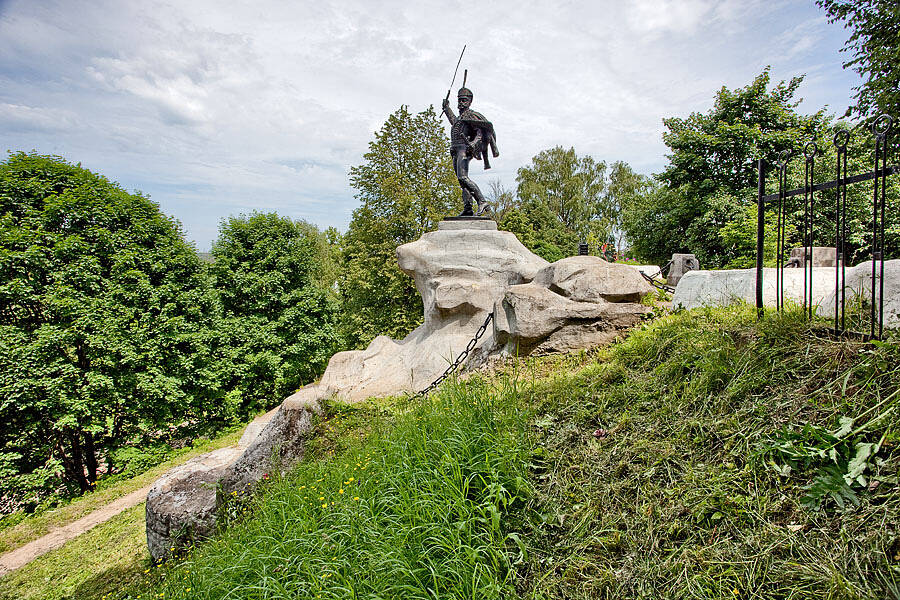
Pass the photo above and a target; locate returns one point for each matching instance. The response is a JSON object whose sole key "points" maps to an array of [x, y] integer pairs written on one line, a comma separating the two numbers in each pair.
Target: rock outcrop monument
{"points": [[464, 271]]}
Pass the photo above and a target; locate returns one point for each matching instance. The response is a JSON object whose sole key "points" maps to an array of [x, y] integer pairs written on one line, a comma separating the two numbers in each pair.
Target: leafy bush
{"points": [[106, 320]]}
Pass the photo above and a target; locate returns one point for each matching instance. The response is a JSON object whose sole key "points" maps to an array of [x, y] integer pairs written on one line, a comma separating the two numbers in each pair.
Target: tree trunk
{"points": [[73, 462], [90, 457]]}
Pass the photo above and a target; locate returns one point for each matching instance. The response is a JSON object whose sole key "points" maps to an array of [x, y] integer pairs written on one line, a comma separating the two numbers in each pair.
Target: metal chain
{"points": [[658, 285], [459, 359]]}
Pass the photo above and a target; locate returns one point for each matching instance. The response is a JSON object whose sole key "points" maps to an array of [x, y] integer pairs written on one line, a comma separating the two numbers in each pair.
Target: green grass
{"points": [[32, 527], [659, 470], [107, 558], [111, 556], [703, 457], [413, 509]]}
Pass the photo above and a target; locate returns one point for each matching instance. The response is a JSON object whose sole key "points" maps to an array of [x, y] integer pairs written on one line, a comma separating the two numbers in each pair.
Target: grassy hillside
{"points": [[707, 456], [105, 558]]}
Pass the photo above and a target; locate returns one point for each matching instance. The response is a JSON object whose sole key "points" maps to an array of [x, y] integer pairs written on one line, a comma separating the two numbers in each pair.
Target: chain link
{"points": [[658, 284], [459, 359]]}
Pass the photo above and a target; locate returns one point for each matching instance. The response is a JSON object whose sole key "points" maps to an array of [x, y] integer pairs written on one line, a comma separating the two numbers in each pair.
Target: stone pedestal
{"points": [[478, 223]]}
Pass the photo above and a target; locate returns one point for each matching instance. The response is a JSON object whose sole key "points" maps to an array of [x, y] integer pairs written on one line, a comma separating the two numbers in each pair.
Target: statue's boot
{"points": [[483, 207], [479, 198], [467, 205]]}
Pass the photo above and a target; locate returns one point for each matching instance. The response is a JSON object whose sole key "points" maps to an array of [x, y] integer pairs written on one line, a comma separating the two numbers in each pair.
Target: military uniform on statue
{"points": [[471, 135]]}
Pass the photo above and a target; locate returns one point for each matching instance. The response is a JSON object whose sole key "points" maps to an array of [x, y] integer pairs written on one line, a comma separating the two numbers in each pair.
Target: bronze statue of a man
{"points": [[470, 136]]}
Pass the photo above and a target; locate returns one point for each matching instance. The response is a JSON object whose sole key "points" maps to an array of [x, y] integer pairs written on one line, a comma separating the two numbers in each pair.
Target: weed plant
{"points": [[708, 456]]}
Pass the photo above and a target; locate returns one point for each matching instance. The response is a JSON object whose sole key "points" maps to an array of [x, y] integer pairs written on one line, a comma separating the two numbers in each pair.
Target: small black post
{"points": [[583, 249], [760, 236]]}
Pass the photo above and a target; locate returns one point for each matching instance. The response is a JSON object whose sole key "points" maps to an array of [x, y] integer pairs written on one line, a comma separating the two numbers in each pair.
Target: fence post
{"points": [[760, 236]]}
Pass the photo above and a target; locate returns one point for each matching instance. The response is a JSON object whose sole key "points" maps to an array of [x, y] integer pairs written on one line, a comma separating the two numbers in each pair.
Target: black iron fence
{"points": [[881, 129]]}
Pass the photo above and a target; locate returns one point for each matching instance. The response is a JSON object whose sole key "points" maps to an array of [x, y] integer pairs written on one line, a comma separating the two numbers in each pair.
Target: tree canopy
{"points": [[711, 176], [717, 150], [106, 321], [405, 185], [279, 323], [874, 45], [562, 195]]}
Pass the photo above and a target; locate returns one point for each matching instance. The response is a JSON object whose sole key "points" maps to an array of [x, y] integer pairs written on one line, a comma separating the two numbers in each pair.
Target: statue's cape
{"points": [[476, 120]]}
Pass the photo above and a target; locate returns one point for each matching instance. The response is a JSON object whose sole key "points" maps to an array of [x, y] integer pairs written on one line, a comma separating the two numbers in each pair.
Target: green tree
{"points": [[711, 175], [860, 155], [405, 186], [279, 323], [515, 221], [718, 150], [875, 48], [562, 195], [625, 188], [105, 324]]}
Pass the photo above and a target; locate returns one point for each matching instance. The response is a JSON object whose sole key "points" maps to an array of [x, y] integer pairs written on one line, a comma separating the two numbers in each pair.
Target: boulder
{"points": [[592, 279], [533, 319], [858, 284], [721, 288], [181, 505], [278, 445], [731, 286]]}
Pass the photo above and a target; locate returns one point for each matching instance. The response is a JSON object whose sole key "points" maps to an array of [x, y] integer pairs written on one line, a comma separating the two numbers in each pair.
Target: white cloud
{"points": [[679, 16], [20, 118], [219, 108]]}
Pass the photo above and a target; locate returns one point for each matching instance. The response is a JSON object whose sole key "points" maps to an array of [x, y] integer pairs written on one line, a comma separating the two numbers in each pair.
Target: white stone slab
{"points": [[729, 286]]}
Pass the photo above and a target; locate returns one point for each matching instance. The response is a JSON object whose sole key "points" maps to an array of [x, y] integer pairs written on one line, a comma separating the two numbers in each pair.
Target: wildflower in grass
{"points": [[341, 491], [356, 497], [325, 505]]}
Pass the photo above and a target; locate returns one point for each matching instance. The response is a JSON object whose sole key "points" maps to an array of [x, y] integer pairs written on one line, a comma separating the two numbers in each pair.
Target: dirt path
{"points": [[20, 557]]}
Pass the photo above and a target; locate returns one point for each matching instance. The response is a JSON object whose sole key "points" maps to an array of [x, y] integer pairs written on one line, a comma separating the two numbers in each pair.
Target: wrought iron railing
{"points": [[881, 129]]}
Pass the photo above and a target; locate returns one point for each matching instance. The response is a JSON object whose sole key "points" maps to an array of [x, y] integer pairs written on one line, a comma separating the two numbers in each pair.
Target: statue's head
{"points": [[464, 98]]}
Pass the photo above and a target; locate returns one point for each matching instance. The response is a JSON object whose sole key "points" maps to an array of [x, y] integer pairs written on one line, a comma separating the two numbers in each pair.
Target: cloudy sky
{"points": [[220, 108]]}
